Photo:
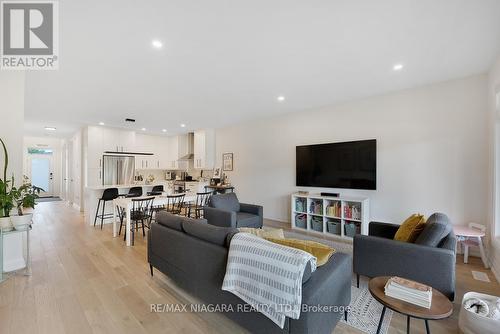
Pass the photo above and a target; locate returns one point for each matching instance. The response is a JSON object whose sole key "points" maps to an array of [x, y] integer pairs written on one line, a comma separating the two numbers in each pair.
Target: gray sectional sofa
{"points": [[194, 255]]}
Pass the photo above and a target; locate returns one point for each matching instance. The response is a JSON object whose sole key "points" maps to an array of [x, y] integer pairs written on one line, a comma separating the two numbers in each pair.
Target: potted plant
{"points": [[12, 197], [24, 197]]}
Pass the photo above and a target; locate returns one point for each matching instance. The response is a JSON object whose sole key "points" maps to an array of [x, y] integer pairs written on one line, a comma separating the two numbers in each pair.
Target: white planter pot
{"points": [[5, 224], [21, 223]]}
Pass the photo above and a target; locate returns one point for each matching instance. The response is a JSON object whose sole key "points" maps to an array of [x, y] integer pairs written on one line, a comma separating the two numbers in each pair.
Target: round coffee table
{"points": [[441, 306]]}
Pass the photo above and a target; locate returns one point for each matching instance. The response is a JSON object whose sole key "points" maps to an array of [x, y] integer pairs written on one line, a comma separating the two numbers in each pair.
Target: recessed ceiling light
{"points": [[50, 128], [164, 130], [143, 129], [157, 44], [183, 125], [398, 67], [281, 98], [101, 123]]}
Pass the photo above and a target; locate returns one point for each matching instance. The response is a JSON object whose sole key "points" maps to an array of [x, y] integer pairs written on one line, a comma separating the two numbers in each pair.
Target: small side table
{"points": [[27, 253], [472, 233], [441, 306]]}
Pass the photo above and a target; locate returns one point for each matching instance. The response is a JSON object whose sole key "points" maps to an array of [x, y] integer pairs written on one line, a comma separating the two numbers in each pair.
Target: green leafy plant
{"points": [[6, 200], [25, 196], [15, 197]]}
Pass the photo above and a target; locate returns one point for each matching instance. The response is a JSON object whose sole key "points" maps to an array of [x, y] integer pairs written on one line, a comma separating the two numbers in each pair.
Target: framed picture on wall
{"points": [[217, 173], [227, 162]]}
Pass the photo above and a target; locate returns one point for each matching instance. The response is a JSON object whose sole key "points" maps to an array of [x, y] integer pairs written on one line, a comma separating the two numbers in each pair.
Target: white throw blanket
{"points": [[267, 276]]}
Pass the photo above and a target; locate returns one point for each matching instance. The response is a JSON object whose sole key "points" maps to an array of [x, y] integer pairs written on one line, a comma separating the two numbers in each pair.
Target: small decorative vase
{"points": [[21, 223], [5, 224]]}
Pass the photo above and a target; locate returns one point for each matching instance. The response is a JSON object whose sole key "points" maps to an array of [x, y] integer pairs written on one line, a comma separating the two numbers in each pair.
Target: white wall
{"points": [[56, 145], [432, 152], [76, 172], [12, 117], [494, 226]]}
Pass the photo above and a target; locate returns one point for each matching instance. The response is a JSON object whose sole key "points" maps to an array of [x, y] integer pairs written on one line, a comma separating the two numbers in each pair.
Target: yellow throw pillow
{"points": [[411, 228], [263, 233], [320, 251]]}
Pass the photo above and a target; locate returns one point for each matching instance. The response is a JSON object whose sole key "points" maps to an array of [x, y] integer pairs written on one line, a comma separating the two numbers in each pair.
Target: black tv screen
{"points": [[350, 165]]}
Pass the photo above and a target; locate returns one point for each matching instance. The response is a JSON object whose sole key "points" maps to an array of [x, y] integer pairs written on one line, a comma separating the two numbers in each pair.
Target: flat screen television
{"points": [[351, 165]]}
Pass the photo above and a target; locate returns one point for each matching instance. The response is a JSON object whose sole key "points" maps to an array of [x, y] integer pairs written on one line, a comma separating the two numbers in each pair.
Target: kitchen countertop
{"points": [[121, 186], [126, 186]]}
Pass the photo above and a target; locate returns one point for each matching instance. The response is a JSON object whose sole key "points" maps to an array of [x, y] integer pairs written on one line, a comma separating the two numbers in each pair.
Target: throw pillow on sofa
{"points": [[320, 251], [264, 233], [411, 228]]}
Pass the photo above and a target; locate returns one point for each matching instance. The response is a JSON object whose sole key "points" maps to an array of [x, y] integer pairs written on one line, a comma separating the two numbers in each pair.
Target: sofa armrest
{"points": [[251, 208], [383, 230], [329, 285], [219, 217], [375, 256]]}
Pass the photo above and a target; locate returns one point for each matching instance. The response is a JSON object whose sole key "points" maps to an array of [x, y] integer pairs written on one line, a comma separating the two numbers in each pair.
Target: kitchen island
{"points": [[92, 195]]}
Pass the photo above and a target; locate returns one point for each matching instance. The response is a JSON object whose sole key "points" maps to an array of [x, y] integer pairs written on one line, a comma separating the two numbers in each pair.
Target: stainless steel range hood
{"points": [[190, 148]]}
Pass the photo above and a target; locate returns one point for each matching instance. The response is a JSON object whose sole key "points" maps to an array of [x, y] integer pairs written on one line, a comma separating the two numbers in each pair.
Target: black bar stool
{"points": [[156, 191], [134, 192], [108, 195]]}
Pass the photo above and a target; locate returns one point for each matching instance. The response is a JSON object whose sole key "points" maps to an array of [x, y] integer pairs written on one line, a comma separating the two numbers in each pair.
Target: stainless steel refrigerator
{"points": [[118, 170]]}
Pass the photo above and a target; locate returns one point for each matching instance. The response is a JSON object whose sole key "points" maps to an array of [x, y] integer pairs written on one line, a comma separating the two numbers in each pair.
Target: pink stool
{"points": [[473, 234]]}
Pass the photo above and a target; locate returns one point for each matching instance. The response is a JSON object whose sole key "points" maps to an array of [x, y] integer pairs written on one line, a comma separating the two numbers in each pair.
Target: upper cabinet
{"points": [[156, 145], [118, 140], [204, 149], [144, 143], [164, 152], [173, 152]]}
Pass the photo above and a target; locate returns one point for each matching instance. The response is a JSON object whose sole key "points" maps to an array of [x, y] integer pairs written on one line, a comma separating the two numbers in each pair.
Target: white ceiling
{"points": [[227, 61]]}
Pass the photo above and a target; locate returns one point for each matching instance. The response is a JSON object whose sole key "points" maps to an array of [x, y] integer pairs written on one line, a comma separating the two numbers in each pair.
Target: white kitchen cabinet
{"points": [[161, 151], [127, 140], [110, 140], [204, 149], [158, 146], [145, 162], [144, 144], [94, 147], [173, 152], [118, 140]]}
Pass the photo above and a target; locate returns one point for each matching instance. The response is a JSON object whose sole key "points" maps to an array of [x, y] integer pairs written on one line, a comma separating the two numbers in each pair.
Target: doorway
{"points": [[40, 170]]}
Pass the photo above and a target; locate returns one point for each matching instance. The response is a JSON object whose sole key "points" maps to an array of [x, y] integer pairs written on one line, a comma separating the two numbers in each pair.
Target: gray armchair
{"points": [[225, 210], [430, 260]]}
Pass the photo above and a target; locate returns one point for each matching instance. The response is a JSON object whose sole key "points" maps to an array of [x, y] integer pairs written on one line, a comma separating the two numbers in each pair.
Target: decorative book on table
{"points": [[409, 291]]}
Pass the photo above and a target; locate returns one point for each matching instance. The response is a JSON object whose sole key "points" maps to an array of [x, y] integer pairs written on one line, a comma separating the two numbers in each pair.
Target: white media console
{"points": [[340, 216]]}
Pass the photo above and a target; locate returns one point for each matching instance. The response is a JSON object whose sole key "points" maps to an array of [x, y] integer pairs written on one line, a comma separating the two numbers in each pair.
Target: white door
{"points": [[41, 173], [65, 159]]}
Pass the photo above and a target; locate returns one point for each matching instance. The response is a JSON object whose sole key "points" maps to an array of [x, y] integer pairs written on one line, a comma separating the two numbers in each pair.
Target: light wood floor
{"points": [[86, 281]]}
